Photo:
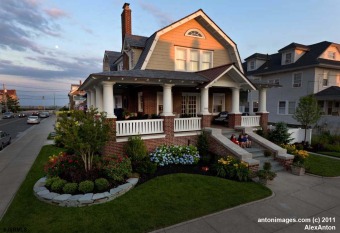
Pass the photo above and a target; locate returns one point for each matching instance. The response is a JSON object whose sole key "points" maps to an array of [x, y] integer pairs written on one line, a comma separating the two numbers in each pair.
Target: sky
{"points": [[47, 45]]}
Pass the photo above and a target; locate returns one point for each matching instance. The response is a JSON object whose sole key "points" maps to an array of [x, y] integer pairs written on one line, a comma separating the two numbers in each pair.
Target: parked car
{"points": [[8, 115], [33, 120], [222, 118], [5, 139], [21, 114]]}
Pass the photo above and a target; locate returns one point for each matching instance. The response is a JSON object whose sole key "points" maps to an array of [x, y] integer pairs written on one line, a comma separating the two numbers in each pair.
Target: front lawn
{"points": [[334, 154], [323, 166], [160, 202]]}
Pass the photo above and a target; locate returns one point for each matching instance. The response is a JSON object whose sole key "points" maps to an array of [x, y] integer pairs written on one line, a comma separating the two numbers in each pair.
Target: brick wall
{"points": [[206, 120], [234, 120], [263, 120], [286, 163]]}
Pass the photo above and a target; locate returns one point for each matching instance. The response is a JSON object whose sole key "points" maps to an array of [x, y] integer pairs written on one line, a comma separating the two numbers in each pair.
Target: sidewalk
{"points": [[17, 159], [294, 197]]}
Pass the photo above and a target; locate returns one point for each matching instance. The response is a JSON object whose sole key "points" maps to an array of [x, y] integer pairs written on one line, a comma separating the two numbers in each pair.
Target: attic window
{"points": [[195, 33]]}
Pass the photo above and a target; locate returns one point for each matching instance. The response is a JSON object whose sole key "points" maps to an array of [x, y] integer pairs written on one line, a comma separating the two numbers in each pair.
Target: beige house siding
{"points": [[163, 55], [137, 53]]}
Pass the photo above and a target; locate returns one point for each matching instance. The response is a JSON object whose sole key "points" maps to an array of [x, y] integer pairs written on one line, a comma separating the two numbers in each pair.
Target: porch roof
{"points": [[331, 93]]}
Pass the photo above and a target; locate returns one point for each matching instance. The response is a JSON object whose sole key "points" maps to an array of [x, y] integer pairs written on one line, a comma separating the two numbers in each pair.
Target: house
{"points": [[76, 97], [173, 82], [298, 70]]}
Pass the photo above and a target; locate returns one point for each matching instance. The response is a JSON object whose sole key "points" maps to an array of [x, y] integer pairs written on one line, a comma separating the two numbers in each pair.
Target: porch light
{"points": [[122, 78]]}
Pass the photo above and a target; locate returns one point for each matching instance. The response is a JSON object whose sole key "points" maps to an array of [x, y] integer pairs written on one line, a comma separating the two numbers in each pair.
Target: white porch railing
{"points": [[187, 124], [250, 121], [136, 127]]}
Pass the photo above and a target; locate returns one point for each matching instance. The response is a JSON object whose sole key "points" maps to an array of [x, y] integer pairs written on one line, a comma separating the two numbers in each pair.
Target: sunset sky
{"points": [[45, 45]]}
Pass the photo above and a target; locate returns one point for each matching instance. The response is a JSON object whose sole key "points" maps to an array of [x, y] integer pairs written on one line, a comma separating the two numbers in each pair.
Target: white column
{"points": [[93, 98], [99, 98], [205, 101], [108, 100], [263, 100], [235, 98], [88, 99], [167, 100]]}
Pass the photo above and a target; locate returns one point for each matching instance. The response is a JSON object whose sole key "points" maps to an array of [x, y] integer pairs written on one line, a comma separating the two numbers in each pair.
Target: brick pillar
{"points": [[206, 120], [263, 120], [234, 120], [168, 126], [109, 148]]}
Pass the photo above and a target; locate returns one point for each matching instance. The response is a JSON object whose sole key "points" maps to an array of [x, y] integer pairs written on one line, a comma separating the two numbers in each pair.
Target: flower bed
{"points": [[233, 168]]}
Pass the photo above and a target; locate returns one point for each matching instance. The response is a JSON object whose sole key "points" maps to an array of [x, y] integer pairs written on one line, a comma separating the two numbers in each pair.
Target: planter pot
{"points": [[299, 171]]}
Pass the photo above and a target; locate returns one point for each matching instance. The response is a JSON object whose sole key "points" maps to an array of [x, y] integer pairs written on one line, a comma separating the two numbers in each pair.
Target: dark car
{"points": [[221, 118], [35, 113], [5, 139], [8, 115], [21, 115]]}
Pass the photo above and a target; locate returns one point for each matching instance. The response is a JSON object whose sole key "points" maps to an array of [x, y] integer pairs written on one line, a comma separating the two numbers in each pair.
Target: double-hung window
{"points": [[297, 79], [188, 59], [331, 55], [181, 59], [282, 107], [288, 58], [291, 107]]}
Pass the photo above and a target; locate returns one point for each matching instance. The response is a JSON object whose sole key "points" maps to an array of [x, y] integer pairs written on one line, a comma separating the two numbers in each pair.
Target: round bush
{"points": [[70, 188], [86, 186], [58, 185], [49, 181], [101, 184]]}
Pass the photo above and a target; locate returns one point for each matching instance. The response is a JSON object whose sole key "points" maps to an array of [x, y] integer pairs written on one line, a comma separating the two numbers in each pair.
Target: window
{"points": [[252, 65], [218, 102], [291, 107], [274, 81], [140, 102], [118, 101], [288, 59], [331, 55], [188, 59], [255, 106], [297, 79], [282, 107], [190, 104], [325, 79], [195, 33]]}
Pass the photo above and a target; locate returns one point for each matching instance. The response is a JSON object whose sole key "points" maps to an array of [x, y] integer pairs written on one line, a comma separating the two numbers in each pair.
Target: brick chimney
{"points": [[126, 21]]}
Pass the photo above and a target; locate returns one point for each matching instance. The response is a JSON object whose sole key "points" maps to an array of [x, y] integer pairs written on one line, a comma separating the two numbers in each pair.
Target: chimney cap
{"points": [[126, 5]]}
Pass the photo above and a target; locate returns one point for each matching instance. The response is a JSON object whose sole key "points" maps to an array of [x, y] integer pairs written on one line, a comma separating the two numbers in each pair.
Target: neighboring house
{"points": [[77, 98], [11, 93], [186, 73], [298, 70]]}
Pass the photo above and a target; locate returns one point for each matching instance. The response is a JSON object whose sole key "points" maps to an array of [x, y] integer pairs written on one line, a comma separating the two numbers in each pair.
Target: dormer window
{"points": [[195, 33], [331, 55], [252, 65], [288, 58]]}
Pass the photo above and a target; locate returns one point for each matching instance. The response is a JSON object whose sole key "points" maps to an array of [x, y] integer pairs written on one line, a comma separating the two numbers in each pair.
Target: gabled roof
{"points": [[135, 41], [309, 59], [201, 18], [295, 46], [331, 93], [260, 56], [112, 57]]}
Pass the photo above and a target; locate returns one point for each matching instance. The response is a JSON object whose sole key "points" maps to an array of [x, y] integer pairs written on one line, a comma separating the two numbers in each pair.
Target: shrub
{"points": [[136, 150], [70, 188], [267, 166], [146, 167], [232, 168], [57, 186], [101, 184], [116, 167], [49, 181], [165, 155], [86, 186], [203, 147], [280, 134]]}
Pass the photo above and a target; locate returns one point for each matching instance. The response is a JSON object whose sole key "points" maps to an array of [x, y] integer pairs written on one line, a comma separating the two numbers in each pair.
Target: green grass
{"points": [[334, 154], [323, 166], [158, 203]]}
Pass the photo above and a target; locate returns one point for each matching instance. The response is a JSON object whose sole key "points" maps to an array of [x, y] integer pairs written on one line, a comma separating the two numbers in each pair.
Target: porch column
{"points": [[93, 98], [167, 100], [263, 100], [99, 98], [88, 99], [205, 101], [108, 100], [235, 105]]}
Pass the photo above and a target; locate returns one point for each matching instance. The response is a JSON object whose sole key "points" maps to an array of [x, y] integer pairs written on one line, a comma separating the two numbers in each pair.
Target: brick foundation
{"points": [[234, 120], [286, 163], [263, 120]]}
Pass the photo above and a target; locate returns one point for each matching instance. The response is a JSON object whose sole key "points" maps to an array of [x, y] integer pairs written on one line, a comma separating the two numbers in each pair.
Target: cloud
{"points": [[163, 17], [22, 22], [56, 13]]}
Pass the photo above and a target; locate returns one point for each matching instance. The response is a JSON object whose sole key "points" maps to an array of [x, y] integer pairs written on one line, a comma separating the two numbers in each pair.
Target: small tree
{"points": [[280, 134], [307, 112], [12, 104], [83, 132]]}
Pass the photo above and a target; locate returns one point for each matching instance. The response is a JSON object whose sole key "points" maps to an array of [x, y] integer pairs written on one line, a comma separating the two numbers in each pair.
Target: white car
{"points": [[33, 120]]}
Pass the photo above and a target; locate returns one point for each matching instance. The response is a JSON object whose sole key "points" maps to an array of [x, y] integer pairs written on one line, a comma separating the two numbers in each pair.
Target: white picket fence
{"points": [[187, 124], [250, 121], [139, 127]]}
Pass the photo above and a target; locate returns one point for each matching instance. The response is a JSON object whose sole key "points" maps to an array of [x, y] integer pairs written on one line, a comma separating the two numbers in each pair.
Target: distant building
{"points": [[77, 99], [11, 93]]}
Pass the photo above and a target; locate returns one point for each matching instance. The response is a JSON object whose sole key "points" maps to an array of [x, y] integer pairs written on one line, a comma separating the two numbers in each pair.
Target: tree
{"points": [[280, 134], [12, 104], [307, 112], [83, 132]]}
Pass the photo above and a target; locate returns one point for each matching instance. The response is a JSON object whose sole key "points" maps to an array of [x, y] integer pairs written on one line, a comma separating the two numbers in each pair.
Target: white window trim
{"points": [[198, 100], [187, 57], [293, 79], [195, 29], [215, 95], [287, 103], [278, 107], [274, 81], [291, 58], [252, 63], [331, 55]]}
